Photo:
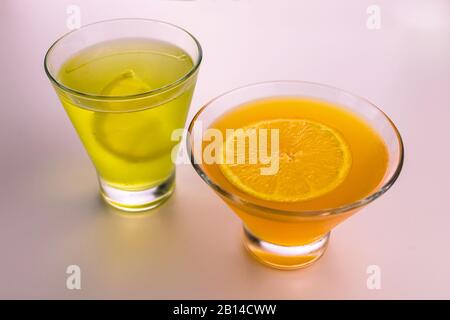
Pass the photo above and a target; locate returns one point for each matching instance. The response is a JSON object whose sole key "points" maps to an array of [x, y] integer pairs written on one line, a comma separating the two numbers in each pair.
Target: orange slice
{"points": [[313, 160]]}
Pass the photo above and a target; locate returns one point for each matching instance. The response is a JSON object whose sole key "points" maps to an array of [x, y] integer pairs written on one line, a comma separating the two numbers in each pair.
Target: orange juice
{"points": [[361, 154]]}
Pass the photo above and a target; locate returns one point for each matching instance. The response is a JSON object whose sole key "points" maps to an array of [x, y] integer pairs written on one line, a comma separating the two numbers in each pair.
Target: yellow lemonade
{"points": [[129, 138], [328, 157]]}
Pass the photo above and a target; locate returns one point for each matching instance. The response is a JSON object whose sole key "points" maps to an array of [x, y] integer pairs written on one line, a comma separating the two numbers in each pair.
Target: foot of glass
{"points": [[285, 257], [136, 201]]}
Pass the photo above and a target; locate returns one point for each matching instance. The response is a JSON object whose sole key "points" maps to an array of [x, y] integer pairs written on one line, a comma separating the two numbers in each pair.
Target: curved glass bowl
{"points": [[297, 238]]}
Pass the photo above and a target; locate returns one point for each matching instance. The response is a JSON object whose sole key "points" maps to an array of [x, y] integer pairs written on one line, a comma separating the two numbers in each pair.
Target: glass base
{"points": [[285, 257], [137, 201]]}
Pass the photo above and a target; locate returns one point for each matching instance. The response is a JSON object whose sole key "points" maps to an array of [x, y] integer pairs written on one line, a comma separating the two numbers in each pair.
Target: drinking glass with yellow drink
{"points": [[126, 85], [332, 154]]}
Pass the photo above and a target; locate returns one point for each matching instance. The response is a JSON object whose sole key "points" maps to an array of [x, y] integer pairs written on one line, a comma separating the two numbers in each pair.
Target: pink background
{"points": [[51, 216]]}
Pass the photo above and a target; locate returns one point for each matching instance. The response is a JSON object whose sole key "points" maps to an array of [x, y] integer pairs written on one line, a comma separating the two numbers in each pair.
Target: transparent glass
{"points": [[296, 238], [128, 136]]}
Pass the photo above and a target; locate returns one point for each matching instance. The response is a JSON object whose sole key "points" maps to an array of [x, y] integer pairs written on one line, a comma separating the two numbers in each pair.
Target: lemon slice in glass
{"points": [[133, 136], [126, 83]]}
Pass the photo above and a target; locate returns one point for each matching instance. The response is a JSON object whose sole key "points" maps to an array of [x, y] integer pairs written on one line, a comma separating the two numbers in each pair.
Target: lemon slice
{"points": [[126, 83], [313, 160], [132, 136]]}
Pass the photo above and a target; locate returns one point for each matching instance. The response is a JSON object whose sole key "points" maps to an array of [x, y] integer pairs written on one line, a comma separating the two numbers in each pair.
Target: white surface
{"points": [[50, 214]]}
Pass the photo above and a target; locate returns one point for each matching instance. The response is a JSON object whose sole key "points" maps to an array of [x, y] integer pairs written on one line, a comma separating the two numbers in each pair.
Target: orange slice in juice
{"points": [[313, 160]]}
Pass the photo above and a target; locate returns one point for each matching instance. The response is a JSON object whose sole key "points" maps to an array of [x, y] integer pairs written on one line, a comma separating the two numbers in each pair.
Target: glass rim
{"points": [[298, 213], [162, 89]]}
